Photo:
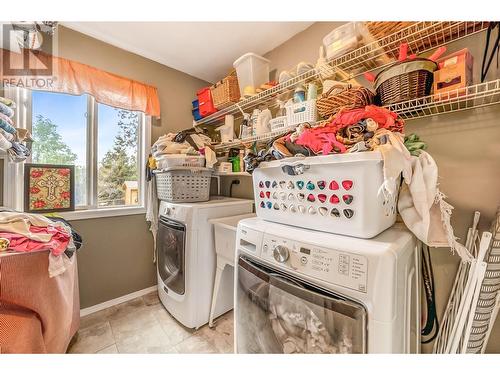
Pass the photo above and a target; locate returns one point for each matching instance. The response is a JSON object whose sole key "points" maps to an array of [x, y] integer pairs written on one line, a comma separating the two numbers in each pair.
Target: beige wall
{"points": [[116, 258], [465, 145], [176, 89]]}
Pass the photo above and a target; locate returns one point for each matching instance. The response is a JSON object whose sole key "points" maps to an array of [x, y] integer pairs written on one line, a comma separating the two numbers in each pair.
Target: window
{"points": [[107, 145], [117, 155], [59, 125]]}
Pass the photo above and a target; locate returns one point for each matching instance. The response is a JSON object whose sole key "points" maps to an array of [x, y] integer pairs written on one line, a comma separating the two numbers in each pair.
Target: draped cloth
{"points": [[38, 314], [71, 77]]}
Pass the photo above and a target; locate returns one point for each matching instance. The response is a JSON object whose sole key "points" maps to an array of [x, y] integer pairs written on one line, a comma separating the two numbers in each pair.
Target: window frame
{"points": [[13, 173]]}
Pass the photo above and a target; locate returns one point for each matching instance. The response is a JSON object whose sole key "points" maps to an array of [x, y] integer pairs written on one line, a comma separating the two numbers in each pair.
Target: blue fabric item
{"points": [[7, 127], [6, 110]]}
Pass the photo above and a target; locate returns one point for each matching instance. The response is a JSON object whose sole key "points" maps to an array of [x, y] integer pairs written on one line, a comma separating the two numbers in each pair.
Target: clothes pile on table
{"points": [[24, 232], [12, 138]]}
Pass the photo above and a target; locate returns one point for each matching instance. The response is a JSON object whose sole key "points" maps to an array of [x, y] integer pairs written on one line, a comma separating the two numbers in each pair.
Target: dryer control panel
{"points": [[341, 268]]}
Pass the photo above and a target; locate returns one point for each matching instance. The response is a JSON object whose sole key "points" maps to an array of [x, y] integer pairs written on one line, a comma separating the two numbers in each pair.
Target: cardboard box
{"points": [[454, 73]]}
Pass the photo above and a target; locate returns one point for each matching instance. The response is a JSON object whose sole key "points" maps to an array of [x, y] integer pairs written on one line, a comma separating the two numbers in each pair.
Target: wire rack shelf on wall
{"points": [[475, 96], [421, 37]]}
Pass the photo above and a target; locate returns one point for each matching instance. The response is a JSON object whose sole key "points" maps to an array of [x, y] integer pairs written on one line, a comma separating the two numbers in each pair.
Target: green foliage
{"points": [[49, 147], [120, 163]]}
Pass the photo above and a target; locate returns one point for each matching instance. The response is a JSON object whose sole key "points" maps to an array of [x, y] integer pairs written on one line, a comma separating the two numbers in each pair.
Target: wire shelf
{"points": [[256, 138], [476, 96], [421, 37]]}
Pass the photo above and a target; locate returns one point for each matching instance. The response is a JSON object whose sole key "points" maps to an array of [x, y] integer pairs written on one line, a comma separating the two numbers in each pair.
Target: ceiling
{"points": [[202, 49]]}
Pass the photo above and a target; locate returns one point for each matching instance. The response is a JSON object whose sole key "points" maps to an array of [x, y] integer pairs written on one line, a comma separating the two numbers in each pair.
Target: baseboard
{"points": [[116, 301]]}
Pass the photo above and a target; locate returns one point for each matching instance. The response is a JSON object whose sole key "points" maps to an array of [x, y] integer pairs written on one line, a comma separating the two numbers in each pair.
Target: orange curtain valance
{"points": [[40, 71]]}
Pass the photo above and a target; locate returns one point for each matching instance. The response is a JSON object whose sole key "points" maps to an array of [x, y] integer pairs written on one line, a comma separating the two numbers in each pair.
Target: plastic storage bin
{"points": [[299, 113], [278, 123], [252, 70], [333, 193], [181, 184], [344, 39], [206, 105], [196, 110], [179, 160]]}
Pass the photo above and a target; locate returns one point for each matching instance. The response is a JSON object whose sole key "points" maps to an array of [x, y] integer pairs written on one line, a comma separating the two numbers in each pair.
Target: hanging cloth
{"points": [[71, 77]]}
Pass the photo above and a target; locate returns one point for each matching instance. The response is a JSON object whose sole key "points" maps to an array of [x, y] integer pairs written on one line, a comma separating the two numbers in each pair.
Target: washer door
{"points": [[279, 314], [170, 244]]}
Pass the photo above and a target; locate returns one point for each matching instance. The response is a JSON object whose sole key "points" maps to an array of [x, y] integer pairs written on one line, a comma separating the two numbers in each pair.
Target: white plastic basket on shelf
{"points": [[278, 123], [181, 184], [299, 113], [333, 193], [179, 160]]}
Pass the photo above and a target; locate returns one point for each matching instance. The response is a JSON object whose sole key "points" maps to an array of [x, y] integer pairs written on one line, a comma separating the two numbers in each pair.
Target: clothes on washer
{"points": [[298, 328]]}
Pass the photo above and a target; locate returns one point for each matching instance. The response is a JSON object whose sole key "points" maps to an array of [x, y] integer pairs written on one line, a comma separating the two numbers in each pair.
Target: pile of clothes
{"points": [[11, 138], [355, 130], [24, 232], [187, 142]]}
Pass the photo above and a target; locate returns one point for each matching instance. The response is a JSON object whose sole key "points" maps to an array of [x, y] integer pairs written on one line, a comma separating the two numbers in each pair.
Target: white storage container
{"points": [[252, 70], [278, 123], [299, 113], [344, 39], [181, 184], [333, 193], [179, 160]]}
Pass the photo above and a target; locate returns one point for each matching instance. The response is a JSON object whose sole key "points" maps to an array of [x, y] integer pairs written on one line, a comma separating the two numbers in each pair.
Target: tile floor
{"points": [[143, 325]]}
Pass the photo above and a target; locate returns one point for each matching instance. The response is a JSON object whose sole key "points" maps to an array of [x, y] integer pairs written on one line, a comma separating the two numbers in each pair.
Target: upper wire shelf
{"points": [[475, 96], [421, 37]]}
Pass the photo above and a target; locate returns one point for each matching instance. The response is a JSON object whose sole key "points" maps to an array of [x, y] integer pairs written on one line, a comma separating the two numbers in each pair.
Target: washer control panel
{"points": [[337, 267]]}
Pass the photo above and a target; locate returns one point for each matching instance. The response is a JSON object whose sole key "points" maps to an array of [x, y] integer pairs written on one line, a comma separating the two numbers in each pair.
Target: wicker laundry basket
{"points": [[349, 98], [405, 80], [226, 91]]}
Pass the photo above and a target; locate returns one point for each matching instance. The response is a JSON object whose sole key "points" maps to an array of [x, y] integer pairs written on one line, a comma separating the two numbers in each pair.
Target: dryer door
{"points": [[170, 244], [279, 314]]}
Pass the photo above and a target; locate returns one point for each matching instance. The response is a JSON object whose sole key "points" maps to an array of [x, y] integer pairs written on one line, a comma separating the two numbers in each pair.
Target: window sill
{"points": [[103, 212]]}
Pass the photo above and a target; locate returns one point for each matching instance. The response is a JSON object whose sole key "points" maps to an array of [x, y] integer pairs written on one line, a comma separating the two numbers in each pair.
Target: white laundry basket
{"points": [[183, 185], [179, 160], [333, 193]]}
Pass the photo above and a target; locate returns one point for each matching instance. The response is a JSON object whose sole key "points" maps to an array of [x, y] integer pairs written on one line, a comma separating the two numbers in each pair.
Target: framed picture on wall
{"points": [[49, 188]]}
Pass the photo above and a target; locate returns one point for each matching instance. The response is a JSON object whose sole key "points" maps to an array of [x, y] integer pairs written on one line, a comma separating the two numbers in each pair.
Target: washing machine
{"points": [[303, 291], [187, 259]]}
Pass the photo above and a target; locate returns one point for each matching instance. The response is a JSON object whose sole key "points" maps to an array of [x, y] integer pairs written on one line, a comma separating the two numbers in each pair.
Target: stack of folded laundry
{"points": [[23, 232], [185, 142], [12, 139]]}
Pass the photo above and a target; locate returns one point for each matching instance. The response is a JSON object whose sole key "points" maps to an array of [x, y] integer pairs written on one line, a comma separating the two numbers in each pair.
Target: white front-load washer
{"points": [[187, 259], [303, 291]]}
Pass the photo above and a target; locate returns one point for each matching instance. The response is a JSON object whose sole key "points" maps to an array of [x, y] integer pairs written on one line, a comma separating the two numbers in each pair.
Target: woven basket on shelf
{"points": [[381, 29], [226, 91], [333, 101], [443, 32], [405, 80]]}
